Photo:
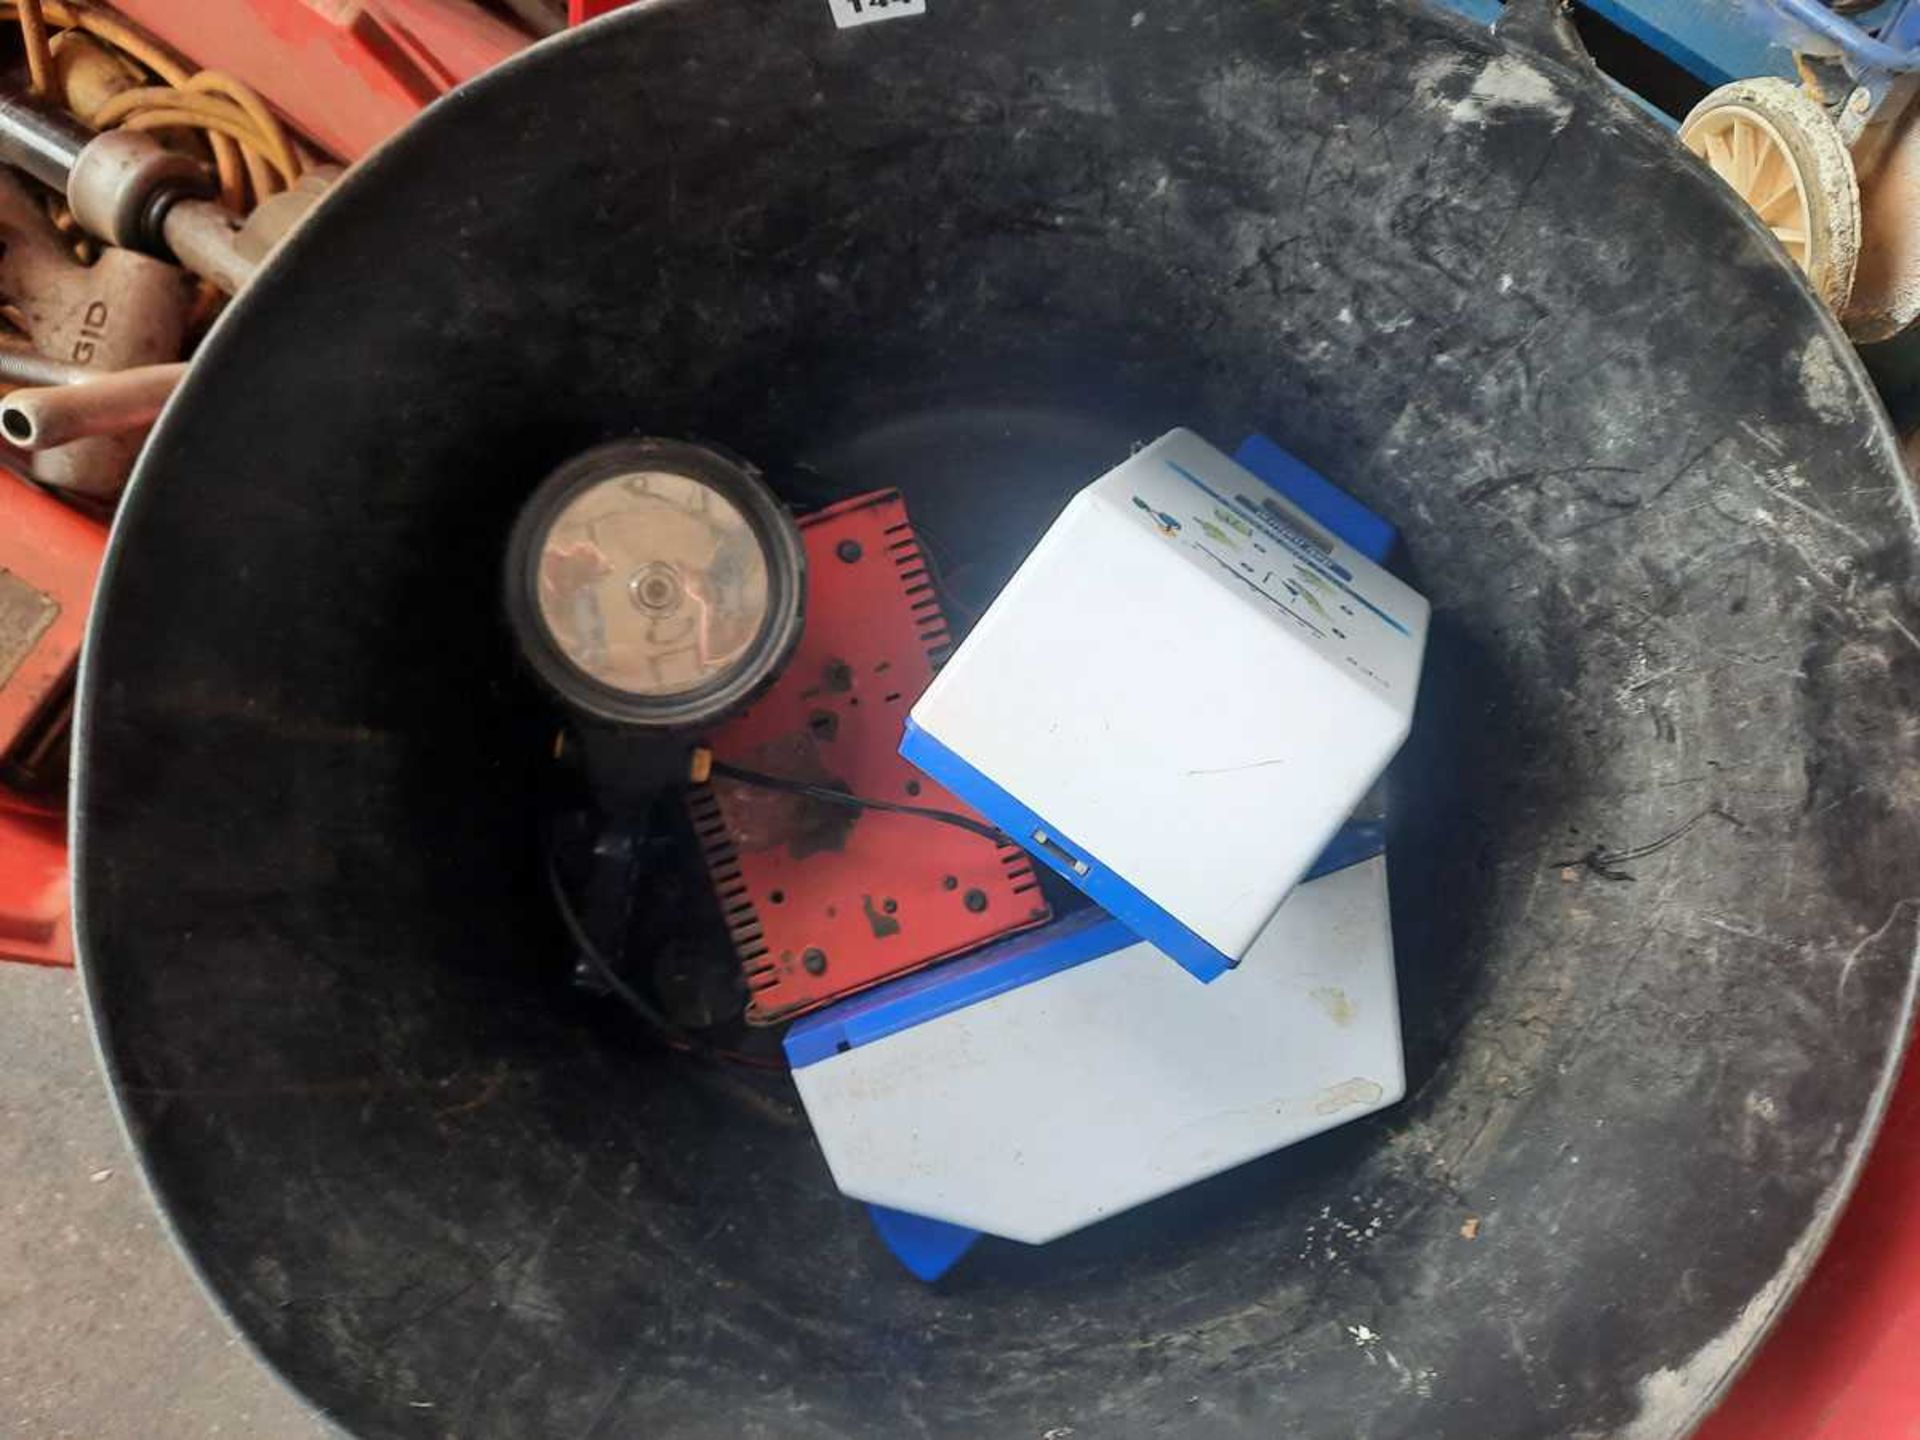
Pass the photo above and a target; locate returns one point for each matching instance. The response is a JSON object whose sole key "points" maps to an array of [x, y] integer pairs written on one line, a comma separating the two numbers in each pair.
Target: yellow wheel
{"points": [[1780, 152]]}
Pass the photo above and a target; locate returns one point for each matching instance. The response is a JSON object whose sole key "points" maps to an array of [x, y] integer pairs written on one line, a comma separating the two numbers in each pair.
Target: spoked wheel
{"points": [[1781, 153]]}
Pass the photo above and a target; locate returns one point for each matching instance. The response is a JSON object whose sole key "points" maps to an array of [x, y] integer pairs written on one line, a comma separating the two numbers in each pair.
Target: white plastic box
{"points": [[1179, 697], [1067, 1075]]}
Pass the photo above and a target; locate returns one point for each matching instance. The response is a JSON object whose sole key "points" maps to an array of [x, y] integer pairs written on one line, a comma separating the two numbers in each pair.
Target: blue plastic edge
{"points": [[1318, 497], [914, 1000], [927, 1247], [1099, 883]]}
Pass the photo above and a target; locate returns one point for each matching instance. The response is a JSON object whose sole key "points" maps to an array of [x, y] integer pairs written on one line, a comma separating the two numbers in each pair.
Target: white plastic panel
{"points": [[1043, 1110], [1193, 691]]}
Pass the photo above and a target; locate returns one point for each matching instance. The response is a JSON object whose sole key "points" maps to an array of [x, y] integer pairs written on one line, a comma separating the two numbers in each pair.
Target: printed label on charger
{"points": [[848, 13]]}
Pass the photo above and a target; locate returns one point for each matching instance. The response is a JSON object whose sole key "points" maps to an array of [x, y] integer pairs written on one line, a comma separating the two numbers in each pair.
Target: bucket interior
{"points": [[1650, 843]]}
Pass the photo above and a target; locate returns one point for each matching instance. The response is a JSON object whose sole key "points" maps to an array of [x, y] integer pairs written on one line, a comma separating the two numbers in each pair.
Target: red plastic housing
{"points": [[822, 899]]}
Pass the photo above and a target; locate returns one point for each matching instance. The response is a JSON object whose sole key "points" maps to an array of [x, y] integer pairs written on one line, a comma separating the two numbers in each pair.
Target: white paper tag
{"points": [[848, 13]]}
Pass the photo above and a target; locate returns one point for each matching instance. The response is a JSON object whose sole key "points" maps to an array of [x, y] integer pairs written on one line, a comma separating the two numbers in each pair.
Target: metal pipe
{"points": [[1902, 28], [23, 365], [202, 237], [1854, 44], [125, 187], [43, 417], [40, 141]]}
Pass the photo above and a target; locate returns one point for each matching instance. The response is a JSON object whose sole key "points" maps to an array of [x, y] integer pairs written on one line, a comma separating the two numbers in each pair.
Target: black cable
{"points": [[670, 1034], [590, 952], [1606, 863], [831, 796]]}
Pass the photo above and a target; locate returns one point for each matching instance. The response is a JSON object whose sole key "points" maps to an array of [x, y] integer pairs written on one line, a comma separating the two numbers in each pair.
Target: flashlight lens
{"points": [[652, 583]]}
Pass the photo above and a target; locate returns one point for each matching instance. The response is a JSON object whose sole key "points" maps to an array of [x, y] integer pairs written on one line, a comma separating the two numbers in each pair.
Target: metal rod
{"points": [[201, 236], [43, 417], [23, 365], [1902, 28], [1855, 45], [41, 142]]}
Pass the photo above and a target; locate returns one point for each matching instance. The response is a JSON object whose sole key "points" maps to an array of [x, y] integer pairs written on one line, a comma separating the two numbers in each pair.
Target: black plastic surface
{"points": [[976, 253]]}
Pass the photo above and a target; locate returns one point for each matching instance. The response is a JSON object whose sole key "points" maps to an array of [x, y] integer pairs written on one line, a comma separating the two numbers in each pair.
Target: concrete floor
{"points": [[103, 1333]]}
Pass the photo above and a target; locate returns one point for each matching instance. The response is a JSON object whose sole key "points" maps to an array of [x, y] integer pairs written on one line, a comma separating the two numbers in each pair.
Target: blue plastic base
{"points": [[1022, 960], [929, 1248], [916, 999]]}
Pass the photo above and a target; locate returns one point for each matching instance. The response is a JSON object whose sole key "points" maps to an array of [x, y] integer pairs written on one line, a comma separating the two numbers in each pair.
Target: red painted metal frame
{"points": [[51, 550], [822, 899], [581, 11], [348, 73], [1842, 1363], [35, 927], [55, 551]]}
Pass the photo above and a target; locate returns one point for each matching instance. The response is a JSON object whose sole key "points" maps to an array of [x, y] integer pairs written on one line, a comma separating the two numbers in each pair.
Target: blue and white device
{"points": [[1067, 1075], [1185, 689]]}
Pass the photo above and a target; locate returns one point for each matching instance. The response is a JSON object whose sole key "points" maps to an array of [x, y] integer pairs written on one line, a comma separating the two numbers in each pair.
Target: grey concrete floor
{"points": [[103, 1332]]}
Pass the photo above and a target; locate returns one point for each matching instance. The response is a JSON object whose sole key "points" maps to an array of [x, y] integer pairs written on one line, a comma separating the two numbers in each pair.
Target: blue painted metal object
{"points": [[1714, 40], [1882, 40], [1718, 41], [1875, 62]]}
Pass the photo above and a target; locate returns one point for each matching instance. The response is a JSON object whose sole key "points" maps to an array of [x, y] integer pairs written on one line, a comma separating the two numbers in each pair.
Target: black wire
{"points": [[1605, 863], [590, 952], [672, 1035], [832, 796]]}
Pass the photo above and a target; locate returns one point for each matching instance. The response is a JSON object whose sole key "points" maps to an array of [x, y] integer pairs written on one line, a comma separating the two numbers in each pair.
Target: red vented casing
{"points": [[823, 900]]}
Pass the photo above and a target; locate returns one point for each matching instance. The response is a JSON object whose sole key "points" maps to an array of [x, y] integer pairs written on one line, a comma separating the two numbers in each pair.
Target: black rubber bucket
{"points": [[1653, 841]]}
